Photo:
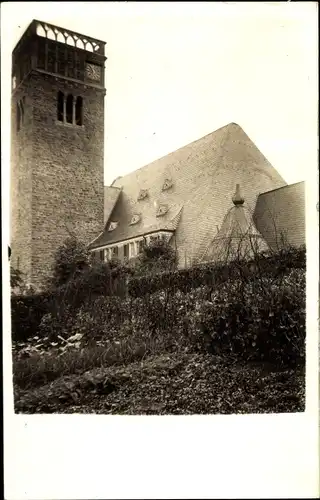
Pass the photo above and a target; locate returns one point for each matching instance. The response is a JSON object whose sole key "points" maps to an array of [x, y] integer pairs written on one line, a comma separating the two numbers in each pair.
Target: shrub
{"points": [[277, 264], [70, 260], [156, 257], [16, 279], [262, 320], [26, 314]]}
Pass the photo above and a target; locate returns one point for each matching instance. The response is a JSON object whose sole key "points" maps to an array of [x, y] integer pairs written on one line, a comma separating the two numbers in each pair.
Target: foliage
{"points": [[26, 314], [165, 384], [87, 339], [259, 320], [16, 279], [155, 257], [70, 260], [212, 274]]}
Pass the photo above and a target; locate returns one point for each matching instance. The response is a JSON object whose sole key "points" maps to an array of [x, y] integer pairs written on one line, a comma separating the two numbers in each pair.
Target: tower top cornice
{"points": [[62, 35]]}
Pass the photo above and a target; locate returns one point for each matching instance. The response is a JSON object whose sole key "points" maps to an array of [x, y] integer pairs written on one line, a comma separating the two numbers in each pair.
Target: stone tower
{"points": [[57, 149]]}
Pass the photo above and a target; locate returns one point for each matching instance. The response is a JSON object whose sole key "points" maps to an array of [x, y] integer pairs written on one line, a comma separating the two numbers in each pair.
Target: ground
{"points": [[173, 383]]}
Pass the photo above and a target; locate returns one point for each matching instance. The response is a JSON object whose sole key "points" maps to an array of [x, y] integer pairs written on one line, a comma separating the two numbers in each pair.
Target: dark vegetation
{"points": [[149, 338]]}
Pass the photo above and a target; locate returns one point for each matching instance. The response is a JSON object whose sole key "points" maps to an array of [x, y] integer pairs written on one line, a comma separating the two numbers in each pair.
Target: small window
{"points": [[41, 62], [60, 106], [132, 253], [140, 246], [22, 111], [101, 255], [126, 251], [69, 108], [18, 117], [79, 110], [115, 252], [134, 219], [61, 64], [51, 65]]}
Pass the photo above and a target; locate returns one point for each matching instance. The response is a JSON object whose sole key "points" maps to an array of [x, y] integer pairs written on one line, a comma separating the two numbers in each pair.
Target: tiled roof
{"points": [[238, 235], [280, 214], [111, 195], [203, 175]]}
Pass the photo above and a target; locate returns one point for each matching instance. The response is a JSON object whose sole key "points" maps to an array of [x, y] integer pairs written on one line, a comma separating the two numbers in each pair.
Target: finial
{"points": [[237, 197]]}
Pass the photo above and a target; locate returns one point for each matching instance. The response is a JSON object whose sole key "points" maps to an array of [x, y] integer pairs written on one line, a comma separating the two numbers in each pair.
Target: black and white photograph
{"points": [[159, 269], [160, 248]]}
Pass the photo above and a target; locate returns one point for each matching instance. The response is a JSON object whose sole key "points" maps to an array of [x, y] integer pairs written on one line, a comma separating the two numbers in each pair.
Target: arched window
{"points": [[22, 110], [79, 110], [18, 117], [69, 108], [60, 106]]}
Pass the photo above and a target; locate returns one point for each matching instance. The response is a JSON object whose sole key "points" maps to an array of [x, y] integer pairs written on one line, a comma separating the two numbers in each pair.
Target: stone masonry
{"points": [[57, 168]]}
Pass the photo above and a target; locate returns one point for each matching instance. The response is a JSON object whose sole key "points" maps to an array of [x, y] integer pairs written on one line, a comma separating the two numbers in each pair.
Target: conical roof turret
{"points": [[238, 236]]}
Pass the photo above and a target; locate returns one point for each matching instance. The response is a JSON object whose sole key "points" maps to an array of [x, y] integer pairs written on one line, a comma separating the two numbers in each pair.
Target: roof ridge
{"points": [[282, 187], [226, 127]]}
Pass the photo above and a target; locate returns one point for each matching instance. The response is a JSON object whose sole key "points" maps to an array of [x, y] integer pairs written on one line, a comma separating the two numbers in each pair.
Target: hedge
{"points": [[26, 315], [259, 320], [213, 274]]}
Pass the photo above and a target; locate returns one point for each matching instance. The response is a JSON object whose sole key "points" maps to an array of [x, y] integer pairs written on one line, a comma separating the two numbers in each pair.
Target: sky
{"points": [[178, 71]]}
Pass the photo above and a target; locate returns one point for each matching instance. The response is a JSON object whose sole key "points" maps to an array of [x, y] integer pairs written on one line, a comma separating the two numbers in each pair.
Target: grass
{"points": [[41, 368]]}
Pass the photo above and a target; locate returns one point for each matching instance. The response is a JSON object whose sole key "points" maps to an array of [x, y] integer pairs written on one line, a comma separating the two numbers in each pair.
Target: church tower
{"points": [[57, 146]]}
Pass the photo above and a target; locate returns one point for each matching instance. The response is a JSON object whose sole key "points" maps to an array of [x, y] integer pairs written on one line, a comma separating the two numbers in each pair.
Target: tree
{"points": [[70, 260], [155, 257], [16, 280]]}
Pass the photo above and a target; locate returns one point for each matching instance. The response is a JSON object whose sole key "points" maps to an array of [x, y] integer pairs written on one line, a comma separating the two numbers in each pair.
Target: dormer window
{"points": [[112, 226], [167, 184], [142, 194], [162, 210], [135, 219]]}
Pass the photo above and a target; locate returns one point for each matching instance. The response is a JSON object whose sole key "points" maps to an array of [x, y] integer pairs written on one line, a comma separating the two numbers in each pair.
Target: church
{"points": [[210, 193]]}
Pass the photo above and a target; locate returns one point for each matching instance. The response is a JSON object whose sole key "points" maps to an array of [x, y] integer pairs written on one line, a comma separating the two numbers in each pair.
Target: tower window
{"points": [[20, 113], [18, 117], [61, 63], [79, 110], [60, 106], [51, 62], [69, 109]]}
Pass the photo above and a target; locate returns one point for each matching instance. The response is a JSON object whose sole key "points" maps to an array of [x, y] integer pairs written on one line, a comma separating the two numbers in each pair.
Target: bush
{"points": [[16, 279], [262, 320], [157, 256], [70, 260], [26, 314], [214, 274]]}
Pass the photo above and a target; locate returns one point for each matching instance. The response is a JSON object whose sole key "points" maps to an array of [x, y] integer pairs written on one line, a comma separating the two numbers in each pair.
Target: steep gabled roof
{"points": [[199, 177]]}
